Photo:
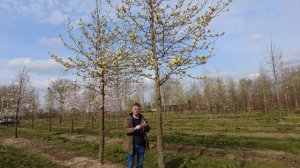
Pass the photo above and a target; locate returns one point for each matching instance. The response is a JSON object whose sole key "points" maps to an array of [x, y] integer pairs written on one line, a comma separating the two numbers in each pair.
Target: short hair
{"points": [[136, 104]]}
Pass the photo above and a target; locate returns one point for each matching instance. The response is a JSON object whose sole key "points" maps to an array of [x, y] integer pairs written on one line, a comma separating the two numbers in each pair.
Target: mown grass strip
{"points": [[11, 157], [226, 142]]}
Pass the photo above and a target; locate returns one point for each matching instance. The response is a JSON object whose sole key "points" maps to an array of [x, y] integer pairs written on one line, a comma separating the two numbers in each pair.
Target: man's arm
{"points": [[128, 128]]}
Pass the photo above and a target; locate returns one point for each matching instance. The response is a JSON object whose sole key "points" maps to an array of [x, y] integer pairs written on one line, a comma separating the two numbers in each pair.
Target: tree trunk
{"points": [[84, 118], [72, 123], [119, 104], [60, 116], [286, 101], [32, 119], [16, 122], [277, 97], [159, 126], [101, 138], [17, 111], [295, 98], [265, 103], [50, 122], [92, 121], [157, 90], [165, 110]]}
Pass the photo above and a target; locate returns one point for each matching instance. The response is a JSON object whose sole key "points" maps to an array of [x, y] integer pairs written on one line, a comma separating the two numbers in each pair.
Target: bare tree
{"points": [[220, 96], [263, 89], [166, 90], [274, 59], [244, 92], [232, 93], [208, 90]]}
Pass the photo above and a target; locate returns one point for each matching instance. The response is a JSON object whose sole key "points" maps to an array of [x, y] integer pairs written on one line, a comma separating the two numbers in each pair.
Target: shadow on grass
{"points": [[175, 162]]}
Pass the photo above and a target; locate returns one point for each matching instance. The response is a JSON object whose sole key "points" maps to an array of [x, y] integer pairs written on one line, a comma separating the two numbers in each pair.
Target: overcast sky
{"points": [[30, 28]]}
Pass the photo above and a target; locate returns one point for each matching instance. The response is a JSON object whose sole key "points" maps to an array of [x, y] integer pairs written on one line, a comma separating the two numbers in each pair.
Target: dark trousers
{"points": [[139, 151]]}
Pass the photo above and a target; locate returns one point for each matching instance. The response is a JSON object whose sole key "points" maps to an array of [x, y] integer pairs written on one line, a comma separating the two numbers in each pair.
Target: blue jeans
{"points": [[138, 150]]}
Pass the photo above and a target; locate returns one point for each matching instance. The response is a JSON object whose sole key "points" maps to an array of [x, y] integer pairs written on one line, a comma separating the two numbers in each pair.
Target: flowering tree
{"points": [[49, 105], [60, 88], [100, 54], [170, 37], [20, 90], [73, 101]]}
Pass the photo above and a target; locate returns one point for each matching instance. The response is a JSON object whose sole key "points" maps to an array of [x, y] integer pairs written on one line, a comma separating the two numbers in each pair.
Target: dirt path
{"points": [[60, 156], [90, 138], [280, 136]]}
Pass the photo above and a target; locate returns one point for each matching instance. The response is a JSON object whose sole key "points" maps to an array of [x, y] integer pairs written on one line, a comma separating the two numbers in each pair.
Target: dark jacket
{"points": [[129, 129]]}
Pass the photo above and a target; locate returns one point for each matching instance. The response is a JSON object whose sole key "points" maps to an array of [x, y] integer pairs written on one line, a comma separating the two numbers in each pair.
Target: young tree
{"points": [[100, 49], [60, 88], [33, 105], [179, 96], [73, 101], [220, 95], [244, 92], [208, 89], [166, 90], [232, 93], [50, 101], [20, 91], [263, 89], [274, 60], [169, 37]]}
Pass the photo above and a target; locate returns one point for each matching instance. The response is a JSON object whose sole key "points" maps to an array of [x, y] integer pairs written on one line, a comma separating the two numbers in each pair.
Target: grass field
{"points": [[11, 157], [192, 140]]}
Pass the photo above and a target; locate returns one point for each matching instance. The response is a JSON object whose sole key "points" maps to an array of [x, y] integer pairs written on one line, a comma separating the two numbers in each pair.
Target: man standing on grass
{"points": [[136, 141]]}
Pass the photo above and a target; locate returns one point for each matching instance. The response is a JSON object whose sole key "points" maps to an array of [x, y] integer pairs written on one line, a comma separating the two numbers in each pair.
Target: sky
{"points": [[29, 29]]}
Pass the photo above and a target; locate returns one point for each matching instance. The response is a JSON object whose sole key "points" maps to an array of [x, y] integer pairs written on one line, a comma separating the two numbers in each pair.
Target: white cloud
{"points": [[255, 38], [148, 83], [292, 57], [41, 84], [20, 6], [52, 42], [50, 11], [40, 67], [252, 75], [56, 17]]}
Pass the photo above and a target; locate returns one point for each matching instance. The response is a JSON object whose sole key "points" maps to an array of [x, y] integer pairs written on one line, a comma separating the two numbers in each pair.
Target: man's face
{"points": [[135, 110]]}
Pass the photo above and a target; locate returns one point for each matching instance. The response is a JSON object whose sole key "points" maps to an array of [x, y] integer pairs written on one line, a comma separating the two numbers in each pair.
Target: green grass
{"points": [[226, 142], [188, 130], [115, 154], [213, 141], [11, 157]]}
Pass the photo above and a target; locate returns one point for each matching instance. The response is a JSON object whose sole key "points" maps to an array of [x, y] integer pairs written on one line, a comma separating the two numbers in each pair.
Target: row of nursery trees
{"points": [[223, 96], [212, 95]]}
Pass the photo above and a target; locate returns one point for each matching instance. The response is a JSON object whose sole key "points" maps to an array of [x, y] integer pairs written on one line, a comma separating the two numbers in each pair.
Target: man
{"points": [[136, 141]]}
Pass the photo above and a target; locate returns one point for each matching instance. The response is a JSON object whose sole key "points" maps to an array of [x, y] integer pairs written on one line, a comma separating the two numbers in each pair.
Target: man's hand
{"points": [[143, 124], [137, 127]]}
